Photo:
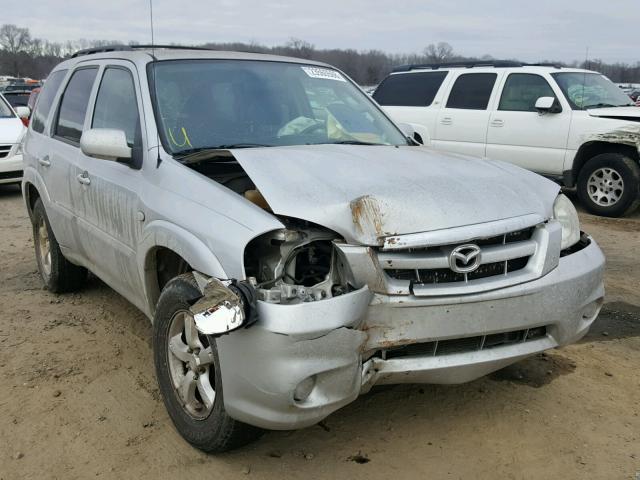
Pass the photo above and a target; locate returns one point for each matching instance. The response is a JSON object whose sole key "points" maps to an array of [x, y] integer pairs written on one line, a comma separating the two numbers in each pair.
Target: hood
{"points": [[10, 130], [620, 113], [368, 192]]}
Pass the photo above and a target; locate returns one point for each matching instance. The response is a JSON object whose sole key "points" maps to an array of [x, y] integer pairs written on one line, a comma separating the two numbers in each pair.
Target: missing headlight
{"points": [[296, 265]]}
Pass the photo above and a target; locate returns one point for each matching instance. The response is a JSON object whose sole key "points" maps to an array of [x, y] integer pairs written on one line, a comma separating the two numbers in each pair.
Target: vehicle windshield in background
{"points": [[220, 104], [5, 109], [590, 90], [17, 99]]}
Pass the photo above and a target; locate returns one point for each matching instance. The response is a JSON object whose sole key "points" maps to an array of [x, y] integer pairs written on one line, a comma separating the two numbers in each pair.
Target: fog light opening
{"points": [[591, 311], [304, 389]]}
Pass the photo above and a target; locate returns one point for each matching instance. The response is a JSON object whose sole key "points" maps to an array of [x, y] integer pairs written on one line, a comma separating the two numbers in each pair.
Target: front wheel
{"points": [[609, 185], [188, 373]]}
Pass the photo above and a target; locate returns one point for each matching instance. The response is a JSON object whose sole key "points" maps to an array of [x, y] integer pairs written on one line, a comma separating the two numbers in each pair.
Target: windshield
{"points": [[235, 103], [5, 109], [590, 90]]}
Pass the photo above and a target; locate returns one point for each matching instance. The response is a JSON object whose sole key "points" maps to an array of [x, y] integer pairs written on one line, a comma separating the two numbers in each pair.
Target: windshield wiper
{"points": [[353, 142], [195, 152], [606, 105]]}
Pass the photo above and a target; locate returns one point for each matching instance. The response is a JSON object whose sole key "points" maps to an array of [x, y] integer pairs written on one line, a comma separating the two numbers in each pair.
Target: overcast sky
{"points": [[527, 30]]}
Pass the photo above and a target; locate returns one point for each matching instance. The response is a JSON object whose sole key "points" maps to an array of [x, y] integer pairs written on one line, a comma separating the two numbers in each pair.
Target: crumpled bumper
{"points": [[335, 341]]}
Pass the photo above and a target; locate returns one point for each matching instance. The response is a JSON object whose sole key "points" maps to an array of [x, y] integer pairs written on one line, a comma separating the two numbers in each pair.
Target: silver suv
{"points": [[291, 245]]}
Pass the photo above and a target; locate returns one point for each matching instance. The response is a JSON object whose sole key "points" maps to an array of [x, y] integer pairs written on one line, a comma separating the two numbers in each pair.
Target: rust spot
{"points": [[366, 215]]}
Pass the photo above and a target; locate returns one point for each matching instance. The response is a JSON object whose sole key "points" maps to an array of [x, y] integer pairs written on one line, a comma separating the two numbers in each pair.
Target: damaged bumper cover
{"points": [[299, 363]]}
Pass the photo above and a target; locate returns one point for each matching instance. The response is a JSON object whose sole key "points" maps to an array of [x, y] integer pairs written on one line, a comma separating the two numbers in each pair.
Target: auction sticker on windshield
{"points": [[325, 73]]}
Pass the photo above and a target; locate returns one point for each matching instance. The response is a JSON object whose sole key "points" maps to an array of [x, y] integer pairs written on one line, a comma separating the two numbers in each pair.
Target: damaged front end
{"points": [[289, 266]]}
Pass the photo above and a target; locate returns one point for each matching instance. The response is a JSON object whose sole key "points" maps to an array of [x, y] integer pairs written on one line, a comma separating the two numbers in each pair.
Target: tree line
{"points": [[22, 55]]}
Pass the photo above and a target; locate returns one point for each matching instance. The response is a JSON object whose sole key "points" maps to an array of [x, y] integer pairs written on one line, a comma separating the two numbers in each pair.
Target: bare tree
{"points": [[14, 39], [438, 53]]}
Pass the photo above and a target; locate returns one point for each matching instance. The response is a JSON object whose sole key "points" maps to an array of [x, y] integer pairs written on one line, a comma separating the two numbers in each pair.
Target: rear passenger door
{"points": [[60, 166], [110, 224], [519, 134], [462, 124]]}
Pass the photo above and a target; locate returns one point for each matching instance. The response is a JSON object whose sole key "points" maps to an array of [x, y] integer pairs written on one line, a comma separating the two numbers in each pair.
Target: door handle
{"points": [[44, 161], [497, 123], [446, 121], [84, 179]]}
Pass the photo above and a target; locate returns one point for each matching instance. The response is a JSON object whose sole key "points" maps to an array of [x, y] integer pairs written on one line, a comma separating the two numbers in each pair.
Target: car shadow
{"points": [[10, 190]]}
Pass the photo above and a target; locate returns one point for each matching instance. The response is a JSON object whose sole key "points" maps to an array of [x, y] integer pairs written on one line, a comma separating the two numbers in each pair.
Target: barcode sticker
{"points": [[324, 73]]}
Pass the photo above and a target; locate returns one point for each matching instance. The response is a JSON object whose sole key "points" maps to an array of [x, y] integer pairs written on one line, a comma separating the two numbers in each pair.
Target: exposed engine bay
{"points": [[297, 264]]}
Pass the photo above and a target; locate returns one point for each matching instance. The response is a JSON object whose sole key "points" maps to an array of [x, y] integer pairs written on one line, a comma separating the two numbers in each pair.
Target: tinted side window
{"points": [[472, 91], [521, 90], [45, 100], [73, 106], [409, 89], [116, 105]]}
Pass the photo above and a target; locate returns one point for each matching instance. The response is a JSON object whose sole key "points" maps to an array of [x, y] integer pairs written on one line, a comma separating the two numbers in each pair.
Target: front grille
{"points": [[10, 175], [4, 150], [464, 345], [500, 255]]}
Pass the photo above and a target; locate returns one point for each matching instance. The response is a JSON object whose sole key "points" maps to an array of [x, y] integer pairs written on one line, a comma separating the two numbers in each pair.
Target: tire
{"points": [[609, 185], [58, 274], [209, 429]]}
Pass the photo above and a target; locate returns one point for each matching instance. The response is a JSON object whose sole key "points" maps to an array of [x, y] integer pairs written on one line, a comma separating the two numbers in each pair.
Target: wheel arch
{"points": [[590, 149], [166, 251]]}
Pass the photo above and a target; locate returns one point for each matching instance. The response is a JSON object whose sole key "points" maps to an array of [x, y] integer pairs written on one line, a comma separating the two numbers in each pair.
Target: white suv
{"points": [[573, 125]]}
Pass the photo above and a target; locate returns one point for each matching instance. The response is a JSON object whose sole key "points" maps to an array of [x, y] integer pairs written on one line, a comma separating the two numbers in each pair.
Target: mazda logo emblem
{"points": [[465, 258]]}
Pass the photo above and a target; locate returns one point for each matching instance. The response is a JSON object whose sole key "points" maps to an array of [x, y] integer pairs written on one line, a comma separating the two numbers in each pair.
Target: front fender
{"points": [[160, 233]]}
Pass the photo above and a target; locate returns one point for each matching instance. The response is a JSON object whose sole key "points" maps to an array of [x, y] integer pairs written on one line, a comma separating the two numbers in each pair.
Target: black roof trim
{"points": [[471, 64]]}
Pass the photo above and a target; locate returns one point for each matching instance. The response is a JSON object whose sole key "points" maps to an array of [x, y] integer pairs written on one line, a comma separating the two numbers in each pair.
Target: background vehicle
{"points": [[11, 133], [291, 245], [573, 125], [635, 95]]}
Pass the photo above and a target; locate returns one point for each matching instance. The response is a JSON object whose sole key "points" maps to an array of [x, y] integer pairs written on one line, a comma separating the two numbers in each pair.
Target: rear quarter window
{"points": [[45, 100], [409, 89]]}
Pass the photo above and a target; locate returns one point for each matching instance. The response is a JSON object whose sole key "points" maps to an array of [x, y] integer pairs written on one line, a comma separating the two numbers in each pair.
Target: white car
{"points": [[573, 125], [12, 130]]}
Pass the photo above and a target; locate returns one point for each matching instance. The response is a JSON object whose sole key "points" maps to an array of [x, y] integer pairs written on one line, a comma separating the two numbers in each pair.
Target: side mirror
{"points": [[545, 105], [105, 143], [23, 112], [411, 133]]}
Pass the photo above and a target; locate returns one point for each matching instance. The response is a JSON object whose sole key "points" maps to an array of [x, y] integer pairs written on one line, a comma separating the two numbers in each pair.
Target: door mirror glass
{"points": [[545, 104], [105, 143], [23, 112]]}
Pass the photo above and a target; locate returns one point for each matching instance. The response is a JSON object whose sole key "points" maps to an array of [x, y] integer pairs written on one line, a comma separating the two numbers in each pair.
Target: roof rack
{"points": [[125, 48], [471, 64]]}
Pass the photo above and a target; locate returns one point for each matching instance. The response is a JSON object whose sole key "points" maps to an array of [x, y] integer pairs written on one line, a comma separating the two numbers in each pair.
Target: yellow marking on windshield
{"points": [[186, 141]]}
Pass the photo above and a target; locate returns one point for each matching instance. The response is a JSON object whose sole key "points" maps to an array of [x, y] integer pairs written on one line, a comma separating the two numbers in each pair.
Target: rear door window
{"points": [[521, 90], [45, 100], [116, 105], [409, 89], [73, 105], [472, 91]]}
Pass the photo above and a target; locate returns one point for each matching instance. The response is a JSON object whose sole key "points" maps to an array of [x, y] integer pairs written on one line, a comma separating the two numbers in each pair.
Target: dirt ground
{"points": [[78, 397]]}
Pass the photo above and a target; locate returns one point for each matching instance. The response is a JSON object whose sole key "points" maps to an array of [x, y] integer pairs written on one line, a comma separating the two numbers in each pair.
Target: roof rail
{"points": [[120, 48], [543, 64], [471, 64], [102, 49], [462, 64]]}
